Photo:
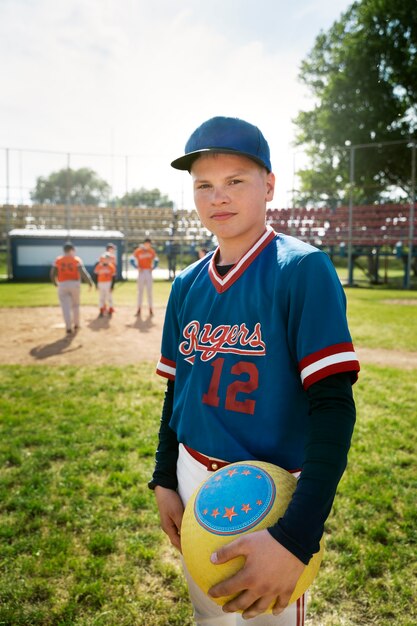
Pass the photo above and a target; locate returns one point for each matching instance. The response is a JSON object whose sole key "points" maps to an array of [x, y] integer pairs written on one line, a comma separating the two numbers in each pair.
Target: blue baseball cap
{"points": [[229, 135]]}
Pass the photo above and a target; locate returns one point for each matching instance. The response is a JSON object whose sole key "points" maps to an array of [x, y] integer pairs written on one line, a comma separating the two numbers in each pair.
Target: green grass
{"points": [[79, 534], [369, 573], [80, 542], [381, 318], [45, 294]]}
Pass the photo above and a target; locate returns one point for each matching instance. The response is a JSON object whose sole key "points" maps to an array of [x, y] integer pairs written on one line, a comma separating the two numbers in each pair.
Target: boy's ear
{"points": [[270, 187]]}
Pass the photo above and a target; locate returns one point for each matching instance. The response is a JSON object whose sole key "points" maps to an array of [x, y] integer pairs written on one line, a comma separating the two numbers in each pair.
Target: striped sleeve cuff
{"points": [[166, 368], [335, 359]]}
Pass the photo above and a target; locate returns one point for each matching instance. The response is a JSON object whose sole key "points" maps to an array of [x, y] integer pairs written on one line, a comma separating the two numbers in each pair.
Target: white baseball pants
{"points": [[190, 474], [145, 281], [69, 298], [105, 294]]}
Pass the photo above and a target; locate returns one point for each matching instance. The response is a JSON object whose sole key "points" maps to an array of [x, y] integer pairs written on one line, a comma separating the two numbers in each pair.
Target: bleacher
{"points": [[372, 226], [158, 223]]}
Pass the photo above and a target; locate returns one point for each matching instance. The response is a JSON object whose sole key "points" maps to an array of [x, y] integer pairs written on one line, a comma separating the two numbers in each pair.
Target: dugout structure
{"points": [[33, 251]]}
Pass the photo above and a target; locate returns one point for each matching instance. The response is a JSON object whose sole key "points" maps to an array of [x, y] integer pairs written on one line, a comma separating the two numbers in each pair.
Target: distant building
{"points": [[33, 251]]}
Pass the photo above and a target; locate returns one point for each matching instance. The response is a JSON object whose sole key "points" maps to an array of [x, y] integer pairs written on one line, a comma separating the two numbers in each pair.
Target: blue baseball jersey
{"points": [[243, 348]]}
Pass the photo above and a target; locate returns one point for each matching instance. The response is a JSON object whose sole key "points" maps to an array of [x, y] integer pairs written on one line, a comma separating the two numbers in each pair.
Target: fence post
{"points": [[8, 219], [67, 195], [411, 216], [350, 227], [126, 219]]}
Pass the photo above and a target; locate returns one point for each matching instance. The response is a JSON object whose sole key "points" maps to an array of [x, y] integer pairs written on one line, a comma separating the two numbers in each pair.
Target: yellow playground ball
{"points": [[237, 499]]}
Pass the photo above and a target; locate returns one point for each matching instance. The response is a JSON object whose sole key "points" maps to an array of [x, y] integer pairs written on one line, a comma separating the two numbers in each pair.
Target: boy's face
{"points": [[230, 194]]}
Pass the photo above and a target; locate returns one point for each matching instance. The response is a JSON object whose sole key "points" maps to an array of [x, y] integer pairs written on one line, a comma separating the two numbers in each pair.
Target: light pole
{"points": [[411, 218], [68, 194], [126, 218], [8, 219], [350, 222]]}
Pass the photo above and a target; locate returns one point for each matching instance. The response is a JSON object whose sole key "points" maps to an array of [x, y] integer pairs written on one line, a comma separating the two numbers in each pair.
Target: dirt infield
{"points": [[37, 335]]}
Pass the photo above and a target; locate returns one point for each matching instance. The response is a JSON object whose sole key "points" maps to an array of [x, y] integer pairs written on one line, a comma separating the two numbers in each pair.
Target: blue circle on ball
{"points": [[234, 499]]}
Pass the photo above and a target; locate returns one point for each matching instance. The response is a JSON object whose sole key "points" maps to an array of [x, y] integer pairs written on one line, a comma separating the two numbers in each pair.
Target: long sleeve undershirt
{"points": [[332, 418]]}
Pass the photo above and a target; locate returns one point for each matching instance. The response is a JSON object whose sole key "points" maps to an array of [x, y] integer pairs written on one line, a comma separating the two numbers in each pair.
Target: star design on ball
{"points": [[228, 507], [229, 513]]}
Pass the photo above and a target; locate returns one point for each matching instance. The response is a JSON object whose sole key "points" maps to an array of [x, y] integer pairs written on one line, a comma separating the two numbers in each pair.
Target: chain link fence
{"points": [[364, 237]]}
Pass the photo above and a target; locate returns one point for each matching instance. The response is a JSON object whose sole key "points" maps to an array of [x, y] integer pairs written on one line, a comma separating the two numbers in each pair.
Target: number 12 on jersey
{"points": [[245, 386]]}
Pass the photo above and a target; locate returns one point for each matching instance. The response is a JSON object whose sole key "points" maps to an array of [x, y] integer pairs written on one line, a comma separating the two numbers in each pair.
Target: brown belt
{"points": [[211, 464]]}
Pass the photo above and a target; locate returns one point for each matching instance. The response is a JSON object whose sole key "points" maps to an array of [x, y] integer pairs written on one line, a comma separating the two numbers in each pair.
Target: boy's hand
{"points": [[269, 575], [171, 510]]}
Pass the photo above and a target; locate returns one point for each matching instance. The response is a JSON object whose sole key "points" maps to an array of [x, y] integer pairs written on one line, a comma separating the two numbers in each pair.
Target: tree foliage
{"points": [[85, 187], [362, 75], [82, 186], [145, 198]]}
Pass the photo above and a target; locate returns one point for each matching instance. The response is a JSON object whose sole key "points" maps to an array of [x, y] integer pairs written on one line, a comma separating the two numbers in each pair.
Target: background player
{"points": [[260, 363], [66, 273], [111, 252], [105, 271], [145, 258]]}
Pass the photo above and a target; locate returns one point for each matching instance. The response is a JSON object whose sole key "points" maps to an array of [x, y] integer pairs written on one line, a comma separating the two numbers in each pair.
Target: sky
{"points": [[119, 85]]}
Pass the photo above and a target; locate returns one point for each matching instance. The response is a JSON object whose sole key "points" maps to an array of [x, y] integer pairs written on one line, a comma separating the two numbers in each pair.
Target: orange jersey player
{"points": [[110, 252], [105, 271], [66, 273], [67, 268], [145, 257]]}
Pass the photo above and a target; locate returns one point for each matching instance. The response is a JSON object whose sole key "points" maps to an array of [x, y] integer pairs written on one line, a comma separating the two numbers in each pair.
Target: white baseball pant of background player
{"points": [[69, 298], [190, 474], [145, 280], [105, 294]]}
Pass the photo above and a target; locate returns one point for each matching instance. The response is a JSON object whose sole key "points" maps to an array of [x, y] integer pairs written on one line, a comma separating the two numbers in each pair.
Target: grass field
{"points": [[45, 294], [80, 542]]}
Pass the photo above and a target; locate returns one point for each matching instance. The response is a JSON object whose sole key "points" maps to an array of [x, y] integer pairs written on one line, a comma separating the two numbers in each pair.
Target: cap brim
{"points": [[185, 162]]}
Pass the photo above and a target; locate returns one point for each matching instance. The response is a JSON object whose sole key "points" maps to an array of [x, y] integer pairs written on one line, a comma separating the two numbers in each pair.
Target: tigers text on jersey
{"points": [[243, 348]]}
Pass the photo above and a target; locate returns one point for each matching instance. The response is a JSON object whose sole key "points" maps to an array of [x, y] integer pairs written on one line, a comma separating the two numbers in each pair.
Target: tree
{"points": [[145, 198], [82, 186], [362, 76]]}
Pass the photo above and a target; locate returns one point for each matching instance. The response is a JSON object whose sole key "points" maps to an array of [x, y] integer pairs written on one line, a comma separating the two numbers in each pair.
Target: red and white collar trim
{"points": [[222, 283]]}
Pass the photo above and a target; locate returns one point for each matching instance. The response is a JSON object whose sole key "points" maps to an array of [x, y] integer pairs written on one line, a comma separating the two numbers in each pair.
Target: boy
{"points": [[145, 258], [105, 271], [112, 253], [260, 364], [66, 274]]}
